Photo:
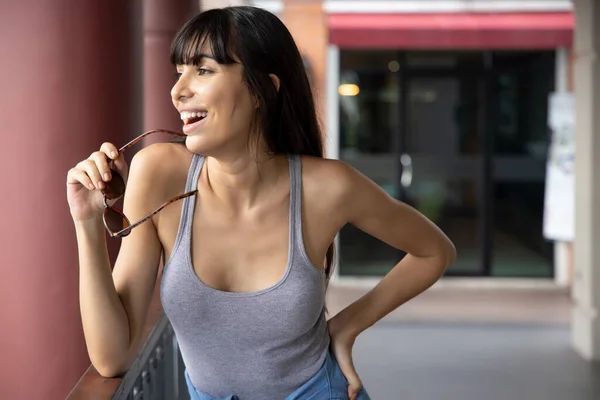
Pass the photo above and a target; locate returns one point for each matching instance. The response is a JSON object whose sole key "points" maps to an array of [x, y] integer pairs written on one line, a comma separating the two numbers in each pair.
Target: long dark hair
{"points": [[286, 117]]}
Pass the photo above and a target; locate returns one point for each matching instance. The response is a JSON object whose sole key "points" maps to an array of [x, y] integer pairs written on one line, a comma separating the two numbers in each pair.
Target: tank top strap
{"points": [[194, 172], [296, 200], [187, 209]]}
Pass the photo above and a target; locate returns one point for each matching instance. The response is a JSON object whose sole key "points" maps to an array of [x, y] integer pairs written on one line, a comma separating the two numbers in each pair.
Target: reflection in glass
{"points": [[441, 143], [458, 115], [520, 142], [369, 122]]}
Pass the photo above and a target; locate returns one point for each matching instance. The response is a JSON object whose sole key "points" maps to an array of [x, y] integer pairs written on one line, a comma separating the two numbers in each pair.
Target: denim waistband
{"points": [[327, 384]]}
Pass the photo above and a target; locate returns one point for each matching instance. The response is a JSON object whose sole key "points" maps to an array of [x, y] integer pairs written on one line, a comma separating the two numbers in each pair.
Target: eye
{"points": [[203, 71], [177, 75]]}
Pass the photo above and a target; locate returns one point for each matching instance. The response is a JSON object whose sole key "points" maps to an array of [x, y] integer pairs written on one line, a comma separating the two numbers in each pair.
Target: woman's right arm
{"points": [[114, 301]]}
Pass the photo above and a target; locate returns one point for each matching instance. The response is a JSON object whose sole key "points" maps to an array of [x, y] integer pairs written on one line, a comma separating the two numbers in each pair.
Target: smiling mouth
{"points": [[191, 118]]}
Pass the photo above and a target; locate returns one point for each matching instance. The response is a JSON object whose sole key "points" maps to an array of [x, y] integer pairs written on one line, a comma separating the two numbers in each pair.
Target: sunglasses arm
{"points": [[125, 232]]}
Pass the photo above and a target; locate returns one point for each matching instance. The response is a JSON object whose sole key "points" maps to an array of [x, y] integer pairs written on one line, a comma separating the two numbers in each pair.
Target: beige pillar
{"points": [[586, 284], [306, 21]]}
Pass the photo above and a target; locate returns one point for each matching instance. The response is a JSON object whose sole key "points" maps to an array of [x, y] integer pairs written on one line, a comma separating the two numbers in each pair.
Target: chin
{"points": [[217, 144], [200, 145]]}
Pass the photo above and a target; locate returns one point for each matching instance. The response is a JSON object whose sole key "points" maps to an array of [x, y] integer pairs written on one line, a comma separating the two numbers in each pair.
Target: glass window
{"points": [[369, 126], [461, 108]]}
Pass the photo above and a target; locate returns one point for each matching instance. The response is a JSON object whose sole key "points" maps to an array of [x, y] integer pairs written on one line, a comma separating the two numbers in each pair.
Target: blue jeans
{"points": [[328, 384]]}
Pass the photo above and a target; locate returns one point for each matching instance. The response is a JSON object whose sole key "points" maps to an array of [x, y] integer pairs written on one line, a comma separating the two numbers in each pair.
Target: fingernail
{"points": [[100, 184], [91, 186], [106, 176], [113, 154]]}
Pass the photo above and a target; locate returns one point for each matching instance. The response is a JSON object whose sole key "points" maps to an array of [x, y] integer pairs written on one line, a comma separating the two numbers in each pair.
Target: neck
{"points": [[240, 182]]}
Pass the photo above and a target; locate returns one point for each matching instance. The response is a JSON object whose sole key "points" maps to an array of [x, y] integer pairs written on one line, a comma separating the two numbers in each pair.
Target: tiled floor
{"points": [[442, 361], [473, 344], [472, 301]]}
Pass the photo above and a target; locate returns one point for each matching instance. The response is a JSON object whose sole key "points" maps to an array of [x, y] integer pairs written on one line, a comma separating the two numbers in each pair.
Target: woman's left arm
{"points": [[429, 252]]}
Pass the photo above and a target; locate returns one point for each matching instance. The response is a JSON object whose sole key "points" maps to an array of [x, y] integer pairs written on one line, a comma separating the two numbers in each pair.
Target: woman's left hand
{"points": [[342, 341]]}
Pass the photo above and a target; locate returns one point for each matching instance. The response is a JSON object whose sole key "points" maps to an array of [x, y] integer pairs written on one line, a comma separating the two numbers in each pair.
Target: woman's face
{"points": [[215, 106]]}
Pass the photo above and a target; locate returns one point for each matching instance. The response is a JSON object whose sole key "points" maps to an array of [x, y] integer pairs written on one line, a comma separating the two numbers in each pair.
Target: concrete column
{"points": [[586, 285], [162, 20], [71, 79], [563, 260], [332, 104]]}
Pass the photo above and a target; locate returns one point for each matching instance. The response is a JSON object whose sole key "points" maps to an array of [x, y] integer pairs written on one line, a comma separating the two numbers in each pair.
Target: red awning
{"points": [[452, 30]]}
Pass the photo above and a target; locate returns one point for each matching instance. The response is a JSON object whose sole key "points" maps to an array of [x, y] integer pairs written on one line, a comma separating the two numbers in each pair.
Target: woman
{"points": [[249, 249]]}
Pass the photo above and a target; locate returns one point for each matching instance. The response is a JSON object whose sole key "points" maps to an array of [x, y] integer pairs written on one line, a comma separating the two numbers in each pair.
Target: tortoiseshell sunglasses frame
{"points": [[125, 231]]}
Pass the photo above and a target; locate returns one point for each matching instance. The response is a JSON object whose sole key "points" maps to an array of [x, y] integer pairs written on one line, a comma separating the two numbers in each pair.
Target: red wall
{"points": [[70, 78], [162, 20]]}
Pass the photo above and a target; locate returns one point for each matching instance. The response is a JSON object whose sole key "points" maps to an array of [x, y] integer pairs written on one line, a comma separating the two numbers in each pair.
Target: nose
{"points": [[181, 89]]}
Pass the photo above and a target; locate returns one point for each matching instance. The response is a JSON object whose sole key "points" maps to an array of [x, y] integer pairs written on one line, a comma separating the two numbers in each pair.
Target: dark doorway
{"points": [[460, 136]]}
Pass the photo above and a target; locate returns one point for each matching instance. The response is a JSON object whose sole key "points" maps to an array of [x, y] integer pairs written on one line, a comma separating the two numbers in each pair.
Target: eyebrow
{"points": [[204, 55], [201, 56]]}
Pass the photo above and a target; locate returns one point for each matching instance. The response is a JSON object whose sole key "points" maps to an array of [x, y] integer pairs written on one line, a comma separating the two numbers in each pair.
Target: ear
{"points": [[275, 80]]}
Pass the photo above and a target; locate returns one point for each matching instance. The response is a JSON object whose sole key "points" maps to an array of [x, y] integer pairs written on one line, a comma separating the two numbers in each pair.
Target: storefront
{"points": [[576, 69], [447, 111]]}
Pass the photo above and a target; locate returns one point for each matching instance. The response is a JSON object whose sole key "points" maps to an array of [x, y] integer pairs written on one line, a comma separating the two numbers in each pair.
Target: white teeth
{"points": [[187, 115]]}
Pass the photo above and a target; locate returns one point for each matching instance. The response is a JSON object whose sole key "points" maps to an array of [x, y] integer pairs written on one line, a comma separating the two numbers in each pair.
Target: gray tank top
{"points": [[258, 345]]}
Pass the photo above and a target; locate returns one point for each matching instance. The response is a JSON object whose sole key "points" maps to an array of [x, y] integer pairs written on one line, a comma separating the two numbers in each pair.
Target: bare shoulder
{"points": [[316, 168], [159, 170], [334, 178], [161, 157], [162, 161], [328, 184], [338, 186]]}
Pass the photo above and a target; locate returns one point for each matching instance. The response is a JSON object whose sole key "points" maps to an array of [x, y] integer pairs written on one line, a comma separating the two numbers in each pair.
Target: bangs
{"points": [[212, 28]]}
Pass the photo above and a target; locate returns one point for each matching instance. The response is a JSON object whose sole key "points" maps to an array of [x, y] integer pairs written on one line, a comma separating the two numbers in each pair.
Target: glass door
{"points": [[441, 163], [521, 84], [369, 126], [461, 136], [419, 136]]}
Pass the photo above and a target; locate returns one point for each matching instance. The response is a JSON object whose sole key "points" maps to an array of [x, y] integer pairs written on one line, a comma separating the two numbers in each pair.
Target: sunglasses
{"points": [[115, 222]]}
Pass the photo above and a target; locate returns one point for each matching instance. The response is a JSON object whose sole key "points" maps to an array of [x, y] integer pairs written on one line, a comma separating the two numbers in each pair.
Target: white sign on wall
{"points": [[559, 198]]}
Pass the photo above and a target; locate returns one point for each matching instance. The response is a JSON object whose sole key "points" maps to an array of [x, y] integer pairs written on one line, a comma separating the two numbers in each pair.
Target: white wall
{"points": [[425, 6], [208, 4], [586, 280]]}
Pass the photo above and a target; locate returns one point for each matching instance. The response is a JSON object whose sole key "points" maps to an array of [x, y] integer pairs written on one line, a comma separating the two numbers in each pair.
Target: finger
{"points": [[347, 366], [89, 166], [116, 159], [99, 157], [110, 150], [354, 388], [120, 165], [78, 176], [353, 393]]}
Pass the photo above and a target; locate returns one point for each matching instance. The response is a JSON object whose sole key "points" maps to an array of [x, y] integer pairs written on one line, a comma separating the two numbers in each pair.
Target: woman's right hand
{"points": [[87, 178]]}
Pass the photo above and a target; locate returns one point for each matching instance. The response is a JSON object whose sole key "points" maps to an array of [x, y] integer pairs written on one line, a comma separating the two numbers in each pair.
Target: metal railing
{"points": [[157, 373]]}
